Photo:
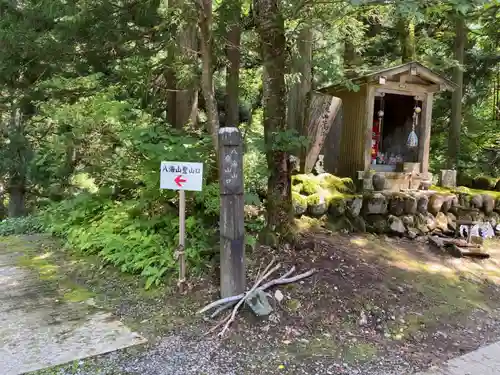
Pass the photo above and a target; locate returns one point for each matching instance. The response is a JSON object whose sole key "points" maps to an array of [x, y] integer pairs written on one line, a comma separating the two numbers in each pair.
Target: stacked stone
{"points": [[405, 214]]}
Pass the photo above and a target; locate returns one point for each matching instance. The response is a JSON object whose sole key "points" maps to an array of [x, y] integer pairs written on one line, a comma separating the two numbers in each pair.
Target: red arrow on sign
{"points": [[179, 180]]}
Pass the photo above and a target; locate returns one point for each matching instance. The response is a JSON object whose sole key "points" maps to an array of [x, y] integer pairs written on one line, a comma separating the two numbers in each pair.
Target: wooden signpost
{"points": [[181, 176], [232, 227]]}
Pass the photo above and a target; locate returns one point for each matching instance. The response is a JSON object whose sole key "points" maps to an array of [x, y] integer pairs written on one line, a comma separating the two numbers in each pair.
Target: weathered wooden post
{"points": [[232, 228]]}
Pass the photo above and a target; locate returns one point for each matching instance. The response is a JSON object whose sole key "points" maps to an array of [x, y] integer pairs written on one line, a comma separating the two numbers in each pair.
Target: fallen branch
{"points": [[228, 302], [220, 323], [290, 280], [241, 301], [222, 308], [231, 300], [221, 302]]}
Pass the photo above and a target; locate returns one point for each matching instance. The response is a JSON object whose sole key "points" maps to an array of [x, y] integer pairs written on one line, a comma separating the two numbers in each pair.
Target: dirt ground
{"points": [[375, 301]]}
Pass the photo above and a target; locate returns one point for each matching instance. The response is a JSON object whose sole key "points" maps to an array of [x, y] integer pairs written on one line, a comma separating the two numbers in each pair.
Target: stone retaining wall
{"points": [[412, 213]]}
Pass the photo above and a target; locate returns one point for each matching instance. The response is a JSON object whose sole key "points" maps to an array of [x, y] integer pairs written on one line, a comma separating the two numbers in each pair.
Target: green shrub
{"points": [[209, 199], [21, 225], [497, 186], [125, 235], [483, 183], [255, 167], [463, 179]]}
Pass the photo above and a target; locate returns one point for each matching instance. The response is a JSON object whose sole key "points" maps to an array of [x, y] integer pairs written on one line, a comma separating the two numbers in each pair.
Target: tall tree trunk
{"points": [[207, 82], [406, 32], [456, 100], [233, 57], [187, 93], [299, 93], [271, 30], [182, 97], [171, 83], [18, 165]]}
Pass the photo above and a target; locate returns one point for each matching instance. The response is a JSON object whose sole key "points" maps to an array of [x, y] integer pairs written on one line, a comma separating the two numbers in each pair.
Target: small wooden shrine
{"points": [[385, 126]]}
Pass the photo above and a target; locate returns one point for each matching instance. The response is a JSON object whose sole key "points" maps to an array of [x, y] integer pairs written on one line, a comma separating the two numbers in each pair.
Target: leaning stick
{"points": [[241, 301], [221, 302], [293, 279], [230, 301], [222, 308], [236, 298]]}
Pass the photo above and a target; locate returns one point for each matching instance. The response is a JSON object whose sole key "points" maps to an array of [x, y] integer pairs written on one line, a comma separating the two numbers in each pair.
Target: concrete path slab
{"points": [[39, 328], [484, 361]]}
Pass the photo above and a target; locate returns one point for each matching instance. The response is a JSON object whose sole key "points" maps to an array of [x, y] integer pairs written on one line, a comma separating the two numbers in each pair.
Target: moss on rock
{"points": [[297, 187], [304, 184], [377, 224], [299, 203], [336, 184], [313, 199], [340, 223], [397, 204], [337, 206], [325, 183], [310, 187], [317, 204], [375, 204]]}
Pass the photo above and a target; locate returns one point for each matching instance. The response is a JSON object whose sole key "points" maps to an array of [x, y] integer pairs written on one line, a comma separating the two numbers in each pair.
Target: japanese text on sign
{"points": [[181, 176]]}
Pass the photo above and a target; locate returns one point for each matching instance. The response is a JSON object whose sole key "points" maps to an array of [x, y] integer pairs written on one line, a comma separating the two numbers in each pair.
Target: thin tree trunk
{"points": [[233, 57], [17, 173], [271, 30], [299, 93], [456, 100], [207, 83], [406, 31], [171, 83]]}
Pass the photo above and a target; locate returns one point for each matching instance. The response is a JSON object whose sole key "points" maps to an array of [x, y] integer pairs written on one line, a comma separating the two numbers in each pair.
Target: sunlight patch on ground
{"points": [[359, 241], [43, 256], [45, 320]]}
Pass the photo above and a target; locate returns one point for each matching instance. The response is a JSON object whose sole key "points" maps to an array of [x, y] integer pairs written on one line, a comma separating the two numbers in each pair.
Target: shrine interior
{"points": [[392, 129]]}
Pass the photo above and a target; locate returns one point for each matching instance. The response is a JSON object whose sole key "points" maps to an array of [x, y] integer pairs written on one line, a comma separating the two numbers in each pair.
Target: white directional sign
{"points": [[181, 176]]}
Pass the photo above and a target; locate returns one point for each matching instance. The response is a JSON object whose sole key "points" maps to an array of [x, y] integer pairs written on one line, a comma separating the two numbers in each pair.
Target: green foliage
{"points": [[112, 204], [288, 141], [21, 225], [254, 161], [209, 199], [127, 236], [255, 171]]}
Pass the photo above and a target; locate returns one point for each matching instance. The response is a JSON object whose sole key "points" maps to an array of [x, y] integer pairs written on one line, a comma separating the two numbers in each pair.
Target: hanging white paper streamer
{"points": [[412, 141]]}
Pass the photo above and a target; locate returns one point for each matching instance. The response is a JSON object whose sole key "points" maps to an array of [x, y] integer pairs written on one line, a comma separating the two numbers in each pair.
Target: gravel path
{"points": [[177, 356], [184, 355]]}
